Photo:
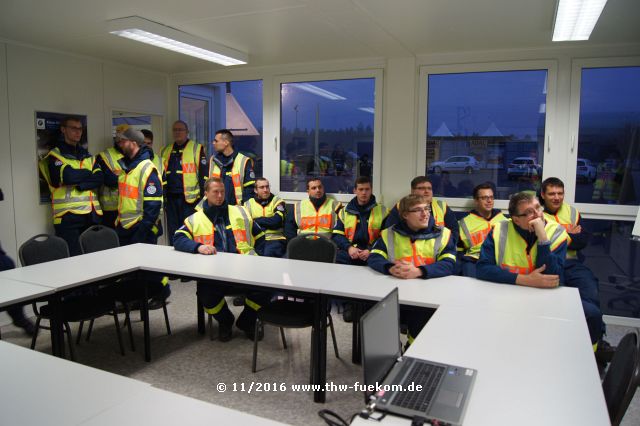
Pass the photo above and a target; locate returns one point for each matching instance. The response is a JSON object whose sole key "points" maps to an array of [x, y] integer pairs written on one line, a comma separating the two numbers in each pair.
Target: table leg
{"points": [[57, 330], [144, 312], [200, 314], [320, 349], [355, 333]]}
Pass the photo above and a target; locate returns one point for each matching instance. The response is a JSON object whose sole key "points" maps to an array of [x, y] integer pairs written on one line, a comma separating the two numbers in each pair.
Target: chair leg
{"points": [[166, 317], [79, 336], [333, 336], [255, 347], [284, 341], [118, 333], [70, 340], [210, 321], [35, 333], [127, 322], [89, 330]]}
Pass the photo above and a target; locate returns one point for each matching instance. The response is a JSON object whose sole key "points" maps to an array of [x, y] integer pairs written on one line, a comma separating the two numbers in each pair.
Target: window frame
{"points": [[271, 164], [591, 210], [550, 164]]}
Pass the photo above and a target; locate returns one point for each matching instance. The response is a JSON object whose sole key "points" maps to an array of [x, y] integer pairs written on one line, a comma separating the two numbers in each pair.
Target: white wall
{"points": [[43, 80]]}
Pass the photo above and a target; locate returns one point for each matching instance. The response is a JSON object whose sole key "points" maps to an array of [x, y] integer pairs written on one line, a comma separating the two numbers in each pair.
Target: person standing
{"points": [[185, 167], [109, 162], [74, 179], [233, 168]]}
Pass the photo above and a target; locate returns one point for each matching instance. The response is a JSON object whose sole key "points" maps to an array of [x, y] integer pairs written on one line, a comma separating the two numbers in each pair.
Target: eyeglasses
{"points": [[179, 130], [486, 198], [425, 210], [74, 128], [530, 212]]}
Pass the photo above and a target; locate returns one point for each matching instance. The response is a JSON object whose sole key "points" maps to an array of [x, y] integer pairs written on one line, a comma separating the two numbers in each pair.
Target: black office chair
{"points": [[290, 312], [97, 238], [84, 307], [622, 378]]}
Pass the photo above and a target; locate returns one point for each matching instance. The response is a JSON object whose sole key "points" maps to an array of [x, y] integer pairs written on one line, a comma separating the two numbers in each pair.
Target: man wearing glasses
{"points": [[475, 227], [74, 179], [414, 248], [185, 165], [524, 250], [442, 215]]}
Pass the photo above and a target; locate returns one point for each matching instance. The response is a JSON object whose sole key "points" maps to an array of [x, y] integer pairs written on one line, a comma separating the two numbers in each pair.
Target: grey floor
{"points": [[193, 365]]}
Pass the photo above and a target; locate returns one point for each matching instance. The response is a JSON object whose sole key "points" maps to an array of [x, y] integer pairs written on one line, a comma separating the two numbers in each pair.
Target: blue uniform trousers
{"points": [[177, 210], [579, 276]]}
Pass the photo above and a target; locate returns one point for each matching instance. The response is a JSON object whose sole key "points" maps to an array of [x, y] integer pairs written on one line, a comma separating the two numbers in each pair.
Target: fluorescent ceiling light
{"points": [[318, 91], [145, 31], [367, 109], [575, 19]]}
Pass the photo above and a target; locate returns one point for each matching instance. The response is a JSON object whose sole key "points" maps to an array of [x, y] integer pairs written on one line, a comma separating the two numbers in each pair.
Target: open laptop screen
{"points": [[380, 333]]}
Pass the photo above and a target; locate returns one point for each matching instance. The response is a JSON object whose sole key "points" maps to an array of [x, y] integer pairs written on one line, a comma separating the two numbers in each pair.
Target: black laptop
{"points": [[408, 386]]}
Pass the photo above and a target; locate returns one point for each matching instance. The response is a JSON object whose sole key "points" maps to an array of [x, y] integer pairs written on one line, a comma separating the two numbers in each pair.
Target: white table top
{"points": [[162, 408], [78, 270], [38, 389], [12, 291], [531, 371]]}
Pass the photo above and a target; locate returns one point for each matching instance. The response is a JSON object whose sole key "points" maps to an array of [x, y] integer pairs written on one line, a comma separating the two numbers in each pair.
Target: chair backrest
{"points": [[314, 247], [98, 237], [42, 248], [622, 378]]}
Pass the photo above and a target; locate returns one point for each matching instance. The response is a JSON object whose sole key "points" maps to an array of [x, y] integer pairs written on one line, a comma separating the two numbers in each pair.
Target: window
{"points": [[235, 105], [485, 127], [608, 164], [327, 131]]}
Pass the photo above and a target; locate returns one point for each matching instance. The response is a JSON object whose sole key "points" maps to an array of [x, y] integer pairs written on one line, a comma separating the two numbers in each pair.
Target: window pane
{"points": [[608, 169], [485, 127], [235, 105], [326, 131]]}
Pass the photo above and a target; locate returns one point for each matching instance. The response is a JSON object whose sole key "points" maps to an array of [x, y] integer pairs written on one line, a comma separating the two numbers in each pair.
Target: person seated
{"points": [[442, 215], [358, 225], [576, 274], [216, 227], [268, 211], [524, 250], [475, 227], [414, 248], [317, 214]]}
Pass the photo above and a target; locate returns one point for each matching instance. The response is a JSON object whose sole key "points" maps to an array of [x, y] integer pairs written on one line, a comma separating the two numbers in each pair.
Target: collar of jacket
{"points": [[354, 208], [431, 231], [144, 153], [317, 202], [222, 160], [214, 213], [494, 212], [264, 202], [78, 151]]}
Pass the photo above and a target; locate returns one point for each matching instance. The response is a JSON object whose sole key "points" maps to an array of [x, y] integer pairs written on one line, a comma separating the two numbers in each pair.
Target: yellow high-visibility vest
{"points": [[474, 230], [131, 188], [321, 221], [109, 196], [374, 223], [190, 158], [257, 210], [419, 252], [237, 174], [565, 216]]}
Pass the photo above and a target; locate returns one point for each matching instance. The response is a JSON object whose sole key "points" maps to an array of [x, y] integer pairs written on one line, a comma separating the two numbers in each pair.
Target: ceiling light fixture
{"points": [[318, 91], [149, 32], [575, 19]]}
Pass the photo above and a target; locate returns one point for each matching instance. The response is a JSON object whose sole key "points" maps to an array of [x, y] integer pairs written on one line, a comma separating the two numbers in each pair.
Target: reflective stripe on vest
{"points": [[109, 196], [257, 210], [565, 216], [374, 223], [474, 230], [511, 248], [67, 198], [190, 160], [203, 231], [237, 174], [131, 193], [310, 220], [419, 252], [438, 209]]}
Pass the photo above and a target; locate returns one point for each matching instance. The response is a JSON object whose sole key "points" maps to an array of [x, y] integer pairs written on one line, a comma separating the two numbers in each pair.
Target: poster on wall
{"points": [[48, 136]]}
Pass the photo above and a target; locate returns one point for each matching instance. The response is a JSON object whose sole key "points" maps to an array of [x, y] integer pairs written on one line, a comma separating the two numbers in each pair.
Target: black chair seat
{"points": [[286, 313], [80, 309]]}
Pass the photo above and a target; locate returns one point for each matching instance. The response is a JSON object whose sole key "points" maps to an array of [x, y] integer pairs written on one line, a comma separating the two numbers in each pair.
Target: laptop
{"points": [[408, 386]]}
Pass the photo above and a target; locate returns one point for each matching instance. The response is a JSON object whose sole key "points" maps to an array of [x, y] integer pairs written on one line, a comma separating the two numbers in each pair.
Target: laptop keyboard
{"points": [[427, 375]]}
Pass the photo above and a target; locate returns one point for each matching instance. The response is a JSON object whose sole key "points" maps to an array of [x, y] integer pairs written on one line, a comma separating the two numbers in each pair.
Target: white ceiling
{"points": [[287, 31]]}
